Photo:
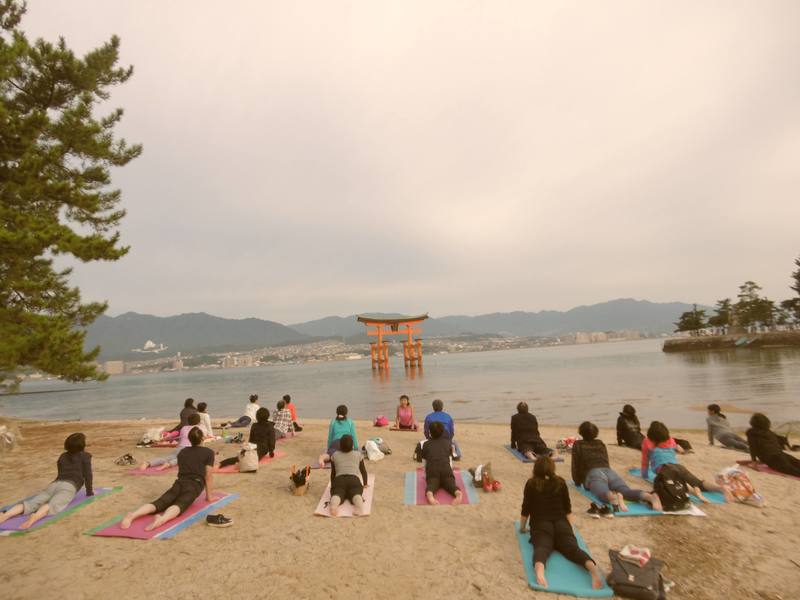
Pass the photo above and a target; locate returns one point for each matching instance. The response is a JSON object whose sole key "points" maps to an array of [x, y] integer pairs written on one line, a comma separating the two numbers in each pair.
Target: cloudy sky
{"points": [[303, 159]]}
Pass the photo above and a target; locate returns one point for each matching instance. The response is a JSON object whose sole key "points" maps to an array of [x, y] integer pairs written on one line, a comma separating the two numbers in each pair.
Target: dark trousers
{"points": [[547, 536], [785, 463], [440, 477]]}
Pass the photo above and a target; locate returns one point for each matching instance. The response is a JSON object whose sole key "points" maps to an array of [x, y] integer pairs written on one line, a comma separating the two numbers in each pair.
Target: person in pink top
{"points": [[171, 459], [405, 414]]}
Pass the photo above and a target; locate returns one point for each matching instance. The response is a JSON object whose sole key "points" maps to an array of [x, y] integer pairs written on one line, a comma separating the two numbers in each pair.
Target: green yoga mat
{"points": [[563, 576]]}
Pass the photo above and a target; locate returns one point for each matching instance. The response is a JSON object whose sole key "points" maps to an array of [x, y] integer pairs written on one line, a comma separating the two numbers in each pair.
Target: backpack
{"points": [[630, 580], [740, 486], [381, 421], [372, 450], [671, 490]]}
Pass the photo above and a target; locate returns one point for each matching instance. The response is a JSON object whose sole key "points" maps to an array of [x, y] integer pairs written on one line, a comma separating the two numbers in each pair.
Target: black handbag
{"points": [[629, 580]]}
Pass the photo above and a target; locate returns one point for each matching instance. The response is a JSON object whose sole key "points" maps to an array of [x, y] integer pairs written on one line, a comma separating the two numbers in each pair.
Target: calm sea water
{"points": [[563, 385]]}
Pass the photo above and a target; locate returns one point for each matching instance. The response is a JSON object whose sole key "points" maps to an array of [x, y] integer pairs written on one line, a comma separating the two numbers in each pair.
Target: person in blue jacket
{"points": [[439, 415], [339, 426]]}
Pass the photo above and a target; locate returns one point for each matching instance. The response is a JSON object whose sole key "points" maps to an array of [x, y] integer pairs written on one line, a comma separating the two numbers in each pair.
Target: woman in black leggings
{"points": [[546, 502], [767, 446]]}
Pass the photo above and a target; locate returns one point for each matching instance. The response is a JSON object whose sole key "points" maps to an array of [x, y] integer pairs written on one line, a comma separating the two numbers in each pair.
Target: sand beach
{"points": [[278, 548]]}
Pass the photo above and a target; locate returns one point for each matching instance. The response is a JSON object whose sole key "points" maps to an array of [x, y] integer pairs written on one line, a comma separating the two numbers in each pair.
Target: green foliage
{"points": [[722, 316], [796, 276], [55, 161], [692, 321]]}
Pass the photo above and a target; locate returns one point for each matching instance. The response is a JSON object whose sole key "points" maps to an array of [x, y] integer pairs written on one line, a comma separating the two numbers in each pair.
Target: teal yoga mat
{"points": [[713, 497], [520, 456], [635, 509], [563, 576]]}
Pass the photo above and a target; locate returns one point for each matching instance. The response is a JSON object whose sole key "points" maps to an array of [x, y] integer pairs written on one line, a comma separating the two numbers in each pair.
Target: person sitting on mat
{"points": [[719, 429], [282, 420], [249, 414], [195, 472], [339, 426], [590, 469], [73, 471], [346, 465], [171, 459], [436, 453], [546, 502], [660, 449], [205, 420], [404, 419], [525, 436], [767, 446], [287, 401], [629, 431], [188, 409], [262, 434], [438, 415]]}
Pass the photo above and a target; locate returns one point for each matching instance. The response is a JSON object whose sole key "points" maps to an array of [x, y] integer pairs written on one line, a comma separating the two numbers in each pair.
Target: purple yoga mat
{"points": [[136, 530], [442, 496], [14, 522]]}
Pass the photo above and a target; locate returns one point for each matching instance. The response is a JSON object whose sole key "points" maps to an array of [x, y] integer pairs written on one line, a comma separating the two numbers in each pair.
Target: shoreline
{"points": [[766, 340]]}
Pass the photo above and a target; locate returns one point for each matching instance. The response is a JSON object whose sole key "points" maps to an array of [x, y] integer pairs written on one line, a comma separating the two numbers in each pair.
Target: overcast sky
{"points": [[303, 159]]}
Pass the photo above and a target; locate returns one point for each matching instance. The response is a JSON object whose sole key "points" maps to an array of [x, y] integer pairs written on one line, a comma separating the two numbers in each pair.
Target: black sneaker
{"points": [[606, 511], [218, 521], [594, 511]]}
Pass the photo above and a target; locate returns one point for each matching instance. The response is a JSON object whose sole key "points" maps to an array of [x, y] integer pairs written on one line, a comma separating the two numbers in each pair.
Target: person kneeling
{"points": [[436, 453], [546, 502], [195, 468], [345, 484]]}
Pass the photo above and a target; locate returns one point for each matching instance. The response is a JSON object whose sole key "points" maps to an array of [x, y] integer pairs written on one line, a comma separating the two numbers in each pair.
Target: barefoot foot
{"points": [[126, 521], [431, 498], [457, 498]]}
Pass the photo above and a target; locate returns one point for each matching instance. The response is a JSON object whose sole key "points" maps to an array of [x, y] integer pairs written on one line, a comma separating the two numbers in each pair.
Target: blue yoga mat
{"points": [[563, 576], [520, 456], [713, 497], [635, 509]]}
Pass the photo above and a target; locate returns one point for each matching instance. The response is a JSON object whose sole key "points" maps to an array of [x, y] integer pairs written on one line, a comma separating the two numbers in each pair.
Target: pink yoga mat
{"points": [[442, 496], [264, 460], [152, 471], [346, 509], [136, 530], [762, 468]]}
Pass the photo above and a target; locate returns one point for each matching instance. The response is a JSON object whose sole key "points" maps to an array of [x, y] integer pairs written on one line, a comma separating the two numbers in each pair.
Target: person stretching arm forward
{"points": [[195, 472], [74, 472], [438, 469], [546, 503], [345, 484]]}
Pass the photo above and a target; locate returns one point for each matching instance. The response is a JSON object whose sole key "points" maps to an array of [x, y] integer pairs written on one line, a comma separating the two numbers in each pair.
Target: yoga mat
{"points": [[713, 497], [519, 455], [415, 489], [164, 444], [403, 429], [11, 527], [264, 460], [641, 509], [199, 509], [152, 471], [346, 509], [563, 576], [762, 468]]}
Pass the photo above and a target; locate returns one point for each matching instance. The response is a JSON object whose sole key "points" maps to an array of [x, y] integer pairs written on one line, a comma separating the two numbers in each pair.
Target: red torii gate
{"points": [[412, 349]]}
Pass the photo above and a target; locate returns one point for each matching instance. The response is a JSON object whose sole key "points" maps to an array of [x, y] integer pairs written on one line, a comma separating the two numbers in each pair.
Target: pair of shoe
{"points": [[596, 511], [218, 521], [125, 460]]}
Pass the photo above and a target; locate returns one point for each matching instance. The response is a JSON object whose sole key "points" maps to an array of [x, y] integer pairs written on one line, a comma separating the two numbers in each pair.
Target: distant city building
{"points": [[229, 362], [177, 362], [114, 367]]}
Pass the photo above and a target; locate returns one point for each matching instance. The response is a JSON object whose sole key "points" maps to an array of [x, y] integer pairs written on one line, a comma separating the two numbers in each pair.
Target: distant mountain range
{"points": [[196, 333]]}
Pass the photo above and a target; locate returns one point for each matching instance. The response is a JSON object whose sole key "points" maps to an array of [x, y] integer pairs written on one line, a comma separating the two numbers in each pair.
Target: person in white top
{"points": [[205, 420], [249, 414]]}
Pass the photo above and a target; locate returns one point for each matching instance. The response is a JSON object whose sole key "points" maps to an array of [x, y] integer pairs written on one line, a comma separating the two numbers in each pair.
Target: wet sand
{"points": [[278, 548]]}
